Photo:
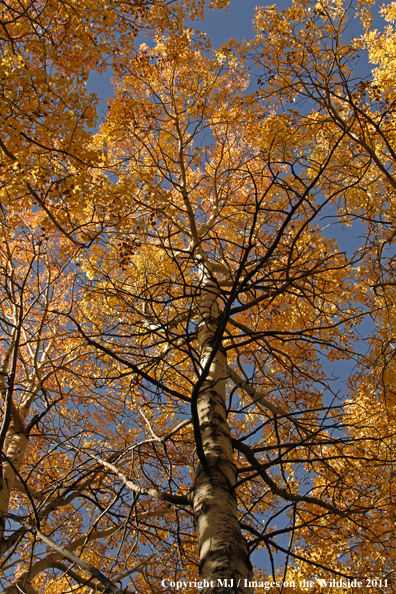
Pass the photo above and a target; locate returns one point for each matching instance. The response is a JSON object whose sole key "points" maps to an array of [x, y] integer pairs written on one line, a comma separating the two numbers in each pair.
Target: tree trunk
{"points": [[223, 551], [15, 446]]}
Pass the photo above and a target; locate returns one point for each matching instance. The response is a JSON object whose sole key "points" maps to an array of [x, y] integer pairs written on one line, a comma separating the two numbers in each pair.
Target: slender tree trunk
{"points": [[222, 549], [15, 446]]}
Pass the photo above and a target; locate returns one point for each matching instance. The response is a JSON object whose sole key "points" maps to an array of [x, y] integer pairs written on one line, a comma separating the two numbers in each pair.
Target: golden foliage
{"points": [[173, 298]]}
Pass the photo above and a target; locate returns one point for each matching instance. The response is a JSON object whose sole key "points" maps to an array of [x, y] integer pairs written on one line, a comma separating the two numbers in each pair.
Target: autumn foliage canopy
{"points": [[197, 347]]}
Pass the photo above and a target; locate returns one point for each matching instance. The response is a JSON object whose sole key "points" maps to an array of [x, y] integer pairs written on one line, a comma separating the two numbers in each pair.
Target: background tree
{"points": [[187, 386]]}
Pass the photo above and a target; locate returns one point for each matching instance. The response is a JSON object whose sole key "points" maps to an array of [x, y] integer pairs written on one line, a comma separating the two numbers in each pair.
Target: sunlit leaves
{"points": [[111, 241]]}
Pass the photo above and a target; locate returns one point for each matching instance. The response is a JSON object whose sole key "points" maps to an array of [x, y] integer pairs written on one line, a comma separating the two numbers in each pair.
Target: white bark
{"points": [[223, 550], [15, 447]]}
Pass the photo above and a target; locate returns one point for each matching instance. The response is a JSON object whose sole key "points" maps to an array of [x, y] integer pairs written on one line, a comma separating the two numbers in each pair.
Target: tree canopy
{"points": [[176, 313]]}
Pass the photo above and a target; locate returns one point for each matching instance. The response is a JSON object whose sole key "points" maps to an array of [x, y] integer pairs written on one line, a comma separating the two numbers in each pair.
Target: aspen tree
{"points": [[172, 324]]}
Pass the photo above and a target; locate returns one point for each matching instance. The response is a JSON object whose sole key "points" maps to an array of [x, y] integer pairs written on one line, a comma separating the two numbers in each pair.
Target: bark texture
{"points": [[224, 557], [15, 445]]}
